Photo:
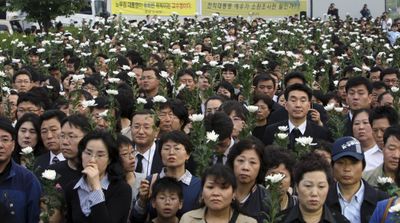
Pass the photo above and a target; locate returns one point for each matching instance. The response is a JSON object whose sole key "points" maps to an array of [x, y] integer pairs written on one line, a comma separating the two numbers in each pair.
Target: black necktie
{"points": [[220, 158], [295, 133], [55, 160], [139, 165]]}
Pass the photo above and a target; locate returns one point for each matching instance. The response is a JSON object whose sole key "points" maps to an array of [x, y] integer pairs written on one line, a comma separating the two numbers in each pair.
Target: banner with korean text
{"points": [[154, 7], [253, 7]]}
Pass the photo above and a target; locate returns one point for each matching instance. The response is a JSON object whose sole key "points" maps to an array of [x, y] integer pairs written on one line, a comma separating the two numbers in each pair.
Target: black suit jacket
{"points": [[42, 162], [371, 198], [348, 128], [115, 209], [312, 129], [157, 164]]}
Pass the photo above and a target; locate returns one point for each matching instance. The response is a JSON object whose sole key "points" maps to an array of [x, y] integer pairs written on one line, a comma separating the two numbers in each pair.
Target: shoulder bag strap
{"points": [[389, 204], [234, 216]]}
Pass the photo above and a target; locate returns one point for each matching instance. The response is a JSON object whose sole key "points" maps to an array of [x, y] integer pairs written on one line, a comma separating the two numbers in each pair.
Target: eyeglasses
{"points": [[89, 88], [96, 156], [6, 140], [128, 154]]}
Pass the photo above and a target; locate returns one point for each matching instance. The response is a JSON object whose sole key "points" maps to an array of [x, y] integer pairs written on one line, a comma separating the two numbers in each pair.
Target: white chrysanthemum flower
{"points": [[112, 92], [26, 150], [329, 107], [159, 99], [6, 89], [41, 50], [283, 128], [126, 67], [141, 101], [103, 74], [213, 63], [274, 178], [395, 208], [114, 80], [305, 141], [131, 74], [246, 66], [251, 108], [78, 77], [49, 174], [356, 69], [384, 180], [265, 62], [338, 109], [180, 88], [212, 136], [282, 135], [88, 103], [196, 117], [394, 89], [164, 74]]}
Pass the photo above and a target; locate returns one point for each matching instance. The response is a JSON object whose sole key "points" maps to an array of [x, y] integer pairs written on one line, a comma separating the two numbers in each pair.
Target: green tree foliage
{"points": [[44, 11]]}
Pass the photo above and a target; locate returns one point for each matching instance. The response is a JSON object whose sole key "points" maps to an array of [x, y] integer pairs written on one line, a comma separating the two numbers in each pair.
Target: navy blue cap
{"points": [[347, 146]]}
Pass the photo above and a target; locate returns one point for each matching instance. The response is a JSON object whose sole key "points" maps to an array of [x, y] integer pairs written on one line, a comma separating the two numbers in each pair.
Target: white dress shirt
{"points": [[147, 160], [373, 158]]}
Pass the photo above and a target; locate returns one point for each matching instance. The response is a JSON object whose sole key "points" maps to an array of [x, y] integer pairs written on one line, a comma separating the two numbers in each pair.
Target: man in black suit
{"points": [[73, 129], [317, 114], [144, 132], [50, 131], [298, 97]]}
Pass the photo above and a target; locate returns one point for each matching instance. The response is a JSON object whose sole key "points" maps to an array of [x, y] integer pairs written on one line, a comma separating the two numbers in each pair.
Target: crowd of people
{"points": [[112, 107]]}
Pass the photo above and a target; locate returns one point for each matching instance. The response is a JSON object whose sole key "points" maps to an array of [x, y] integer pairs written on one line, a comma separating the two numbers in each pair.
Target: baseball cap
{"points": [[347, 146]]}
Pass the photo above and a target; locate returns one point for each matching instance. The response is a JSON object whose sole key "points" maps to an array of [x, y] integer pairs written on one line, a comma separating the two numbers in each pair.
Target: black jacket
{"points": [[157, 164], [115, 209], [371, 198], [312, 129], [327, 216]]}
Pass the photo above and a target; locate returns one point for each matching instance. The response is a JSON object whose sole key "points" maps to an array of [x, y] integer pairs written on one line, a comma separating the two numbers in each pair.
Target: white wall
{"points": [[351, 7]]}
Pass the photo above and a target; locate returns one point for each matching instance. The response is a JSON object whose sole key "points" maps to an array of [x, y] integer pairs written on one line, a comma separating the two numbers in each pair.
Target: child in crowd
{"points": [[167, 199]]}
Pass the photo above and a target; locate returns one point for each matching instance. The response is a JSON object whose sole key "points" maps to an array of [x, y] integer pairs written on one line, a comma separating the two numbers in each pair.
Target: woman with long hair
{"points": [[28, 135], [101, 194]]}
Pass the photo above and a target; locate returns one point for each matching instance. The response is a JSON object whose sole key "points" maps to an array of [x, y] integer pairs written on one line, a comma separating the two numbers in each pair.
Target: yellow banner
{"points": [[154, 7], [253, 7]]}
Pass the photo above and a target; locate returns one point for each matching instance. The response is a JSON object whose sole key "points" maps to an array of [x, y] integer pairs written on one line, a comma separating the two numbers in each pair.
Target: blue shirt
{"points": [[380, 211], [88, 197], [20, 193], [352, 209]]}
